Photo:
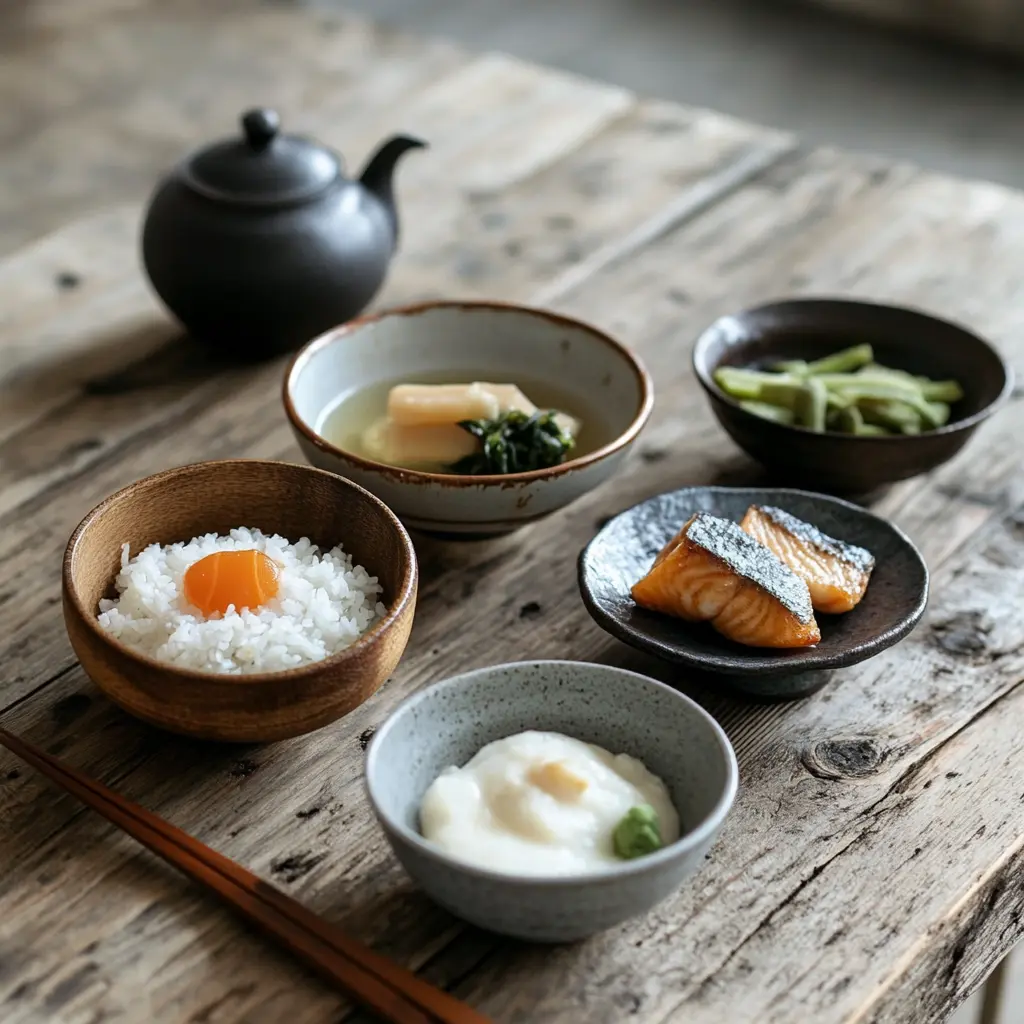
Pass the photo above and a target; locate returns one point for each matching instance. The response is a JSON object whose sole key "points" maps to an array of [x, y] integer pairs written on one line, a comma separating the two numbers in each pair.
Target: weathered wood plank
{"points": [[129, 95], [905, 709], [55, 432], [506, 218]]}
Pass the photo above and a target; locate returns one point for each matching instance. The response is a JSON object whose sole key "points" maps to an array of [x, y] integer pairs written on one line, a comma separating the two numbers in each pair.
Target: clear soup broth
{"points": [[345, 422]]}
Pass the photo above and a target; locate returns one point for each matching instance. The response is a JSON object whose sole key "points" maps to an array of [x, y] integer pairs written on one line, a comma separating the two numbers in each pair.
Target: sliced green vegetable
{"points": [[740, 383], [811, 405], [638, 833], [931, 390], [876, 388], [515, 443], [941, 391], [784, 391], [776, 413], [896, 415], [872, 385], [851, 421], [797, 367], [846, 361], [839, 400], [847, 392]]}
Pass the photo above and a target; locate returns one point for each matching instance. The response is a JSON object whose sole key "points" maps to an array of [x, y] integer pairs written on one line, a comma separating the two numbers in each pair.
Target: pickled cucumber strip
{"points": [[798, 367], [948, 391], [846, 361], [851, 420], [847, 392], [927, 415], [933, 414], [782, 392], [940, 413], [872, 385], [776, 413], [931, 390], [895, 415], [811, 405], [743, 383]]}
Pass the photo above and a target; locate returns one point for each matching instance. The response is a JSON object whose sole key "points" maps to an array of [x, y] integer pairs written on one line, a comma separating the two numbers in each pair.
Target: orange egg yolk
{"points": [[245, 579]]}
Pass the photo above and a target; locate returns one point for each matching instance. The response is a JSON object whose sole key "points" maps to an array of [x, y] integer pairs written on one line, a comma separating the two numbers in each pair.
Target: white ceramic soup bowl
{"points": [[623, 712], [604, 382]]}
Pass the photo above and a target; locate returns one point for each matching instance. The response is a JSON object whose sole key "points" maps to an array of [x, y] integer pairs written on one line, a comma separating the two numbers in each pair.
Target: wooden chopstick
{"points": [[371, 979]]}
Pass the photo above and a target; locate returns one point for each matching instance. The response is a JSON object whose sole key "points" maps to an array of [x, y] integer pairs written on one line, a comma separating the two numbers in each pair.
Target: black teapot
{"points": [[259, 243]]}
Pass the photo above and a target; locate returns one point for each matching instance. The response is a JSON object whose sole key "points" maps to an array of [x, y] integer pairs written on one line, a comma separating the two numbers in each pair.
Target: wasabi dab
{"points": [[638, 833]]}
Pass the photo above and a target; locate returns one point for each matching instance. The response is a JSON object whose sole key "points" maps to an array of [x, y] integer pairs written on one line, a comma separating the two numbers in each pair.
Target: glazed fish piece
{"points": [[836, 573], [712, 571]]}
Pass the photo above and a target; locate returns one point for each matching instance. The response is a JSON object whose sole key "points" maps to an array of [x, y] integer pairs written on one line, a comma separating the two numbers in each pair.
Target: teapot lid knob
{"points": [[265, 167], [260, 127]]}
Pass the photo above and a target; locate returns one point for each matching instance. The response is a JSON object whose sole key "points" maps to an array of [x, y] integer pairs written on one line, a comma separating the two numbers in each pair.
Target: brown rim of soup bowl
{"points": [[507, 480], [89, 617]]}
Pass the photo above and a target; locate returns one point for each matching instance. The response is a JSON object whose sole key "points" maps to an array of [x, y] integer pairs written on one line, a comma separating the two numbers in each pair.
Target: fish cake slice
{"points": [[836, 573], [712, 571]]}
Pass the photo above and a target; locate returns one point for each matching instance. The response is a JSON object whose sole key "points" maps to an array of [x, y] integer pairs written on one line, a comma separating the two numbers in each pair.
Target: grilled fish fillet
{"points": [[836, 573], [712, 571]]}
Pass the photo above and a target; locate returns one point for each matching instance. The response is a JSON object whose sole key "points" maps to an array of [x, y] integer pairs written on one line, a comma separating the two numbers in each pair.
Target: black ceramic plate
{"points": [[625, 548]]}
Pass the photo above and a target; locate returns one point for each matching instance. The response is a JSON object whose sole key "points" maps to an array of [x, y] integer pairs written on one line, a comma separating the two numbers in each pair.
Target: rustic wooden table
{"points": [[871, 870]]}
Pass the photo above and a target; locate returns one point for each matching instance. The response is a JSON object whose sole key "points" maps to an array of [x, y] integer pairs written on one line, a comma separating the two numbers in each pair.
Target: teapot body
{"points": [[255, 281]]}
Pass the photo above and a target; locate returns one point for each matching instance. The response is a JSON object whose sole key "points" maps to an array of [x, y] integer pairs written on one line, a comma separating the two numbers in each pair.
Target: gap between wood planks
{"points": [[903, 967], [909, 959], [674, 215]]}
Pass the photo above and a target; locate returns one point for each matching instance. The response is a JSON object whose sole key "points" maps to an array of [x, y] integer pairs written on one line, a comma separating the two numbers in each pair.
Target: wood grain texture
{"points": [[870, 871]]}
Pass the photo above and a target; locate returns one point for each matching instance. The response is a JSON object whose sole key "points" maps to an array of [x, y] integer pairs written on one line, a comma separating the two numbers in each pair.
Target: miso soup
{"points": [[345, 423]]}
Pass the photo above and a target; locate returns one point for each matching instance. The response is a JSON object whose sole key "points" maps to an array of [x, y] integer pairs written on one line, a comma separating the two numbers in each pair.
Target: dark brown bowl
{"points": [[624, 549], [810, 328], [275, 497]]}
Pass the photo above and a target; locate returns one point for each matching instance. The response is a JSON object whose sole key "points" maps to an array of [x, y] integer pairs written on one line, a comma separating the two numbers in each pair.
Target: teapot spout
{"points": [[379, 172]]}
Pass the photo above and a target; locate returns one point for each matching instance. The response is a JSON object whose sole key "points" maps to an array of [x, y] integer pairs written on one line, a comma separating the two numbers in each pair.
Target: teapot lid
{"points": [[263, 167]]}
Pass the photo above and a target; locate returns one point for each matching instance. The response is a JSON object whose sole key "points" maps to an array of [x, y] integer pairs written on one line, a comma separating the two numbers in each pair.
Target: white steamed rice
{"points": [[324, 604]]}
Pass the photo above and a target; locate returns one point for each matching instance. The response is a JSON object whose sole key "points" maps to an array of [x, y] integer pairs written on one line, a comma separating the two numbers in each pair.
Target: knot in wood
{"points": [[964, 634], [854, 758]]}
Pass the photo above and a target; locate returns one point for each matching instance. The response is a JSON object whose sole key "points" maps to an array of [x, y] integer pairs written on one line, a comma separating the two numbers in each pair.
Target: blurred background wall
{"points": [[845, 80]]}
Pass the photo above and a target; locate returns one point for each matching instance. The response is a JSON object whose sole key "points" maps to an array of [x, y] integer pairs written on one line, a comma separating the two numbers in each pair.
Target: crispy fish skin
{"points": [[836, 573], [712, 571]]}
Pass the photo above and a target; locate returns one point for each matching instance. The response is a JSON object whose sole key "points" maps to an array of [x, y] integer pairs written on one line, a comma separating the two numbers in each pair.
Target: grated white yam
{"points": [[324, 604]]}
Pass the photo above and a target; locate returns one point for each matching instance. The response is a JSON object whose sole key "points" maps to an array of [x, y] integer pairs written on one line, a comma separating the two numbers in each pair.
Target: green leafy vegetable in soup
{"points": [[638, 833], [515, 442]]}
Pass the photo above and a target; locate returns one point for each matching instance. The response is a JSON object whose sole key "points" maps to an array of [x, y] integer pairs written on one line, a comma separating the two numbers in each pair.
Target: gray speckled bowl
{"points": [[448, 723]]}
